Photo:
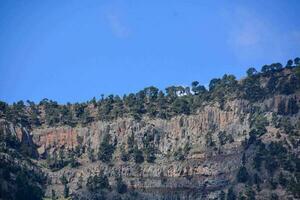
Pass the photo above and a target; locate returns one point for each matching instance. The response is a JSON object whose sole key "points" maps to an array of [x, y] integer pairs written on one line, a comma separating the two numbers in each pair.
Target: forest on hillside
{"points": [[154, 103]]}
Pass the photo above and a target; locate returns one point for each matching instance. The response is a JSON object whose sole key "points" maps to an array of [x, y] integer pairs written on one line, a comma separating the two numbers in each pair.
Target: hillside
{"points": [[237, 139]]}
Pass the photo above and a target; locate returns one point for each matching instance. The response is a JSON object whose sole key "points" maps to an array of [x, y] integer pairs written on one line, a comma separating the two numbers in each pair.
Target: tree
{"points": [[198, 89], [181, 106], [281, 108], [265, 69], [73, 162], [242, 175], [282, 180], [252, 89], [251, 71], [297, 61], [195, 84], [257, 181], [271, 165], [64, 181], [151, 93], [121, 186], [178, 155], [161, 105], [230, 194], [274, 196], [275, 67], [289, 63], [106, 149], [91, 154], [244, 159], [250, 194], [97, 182], [222, 195], [3, 108], [25, 187], [213, 83], [53, 195], [138, 155], [224, 138], [292, 106], [150, 154], [66, 191], [80, 181]]}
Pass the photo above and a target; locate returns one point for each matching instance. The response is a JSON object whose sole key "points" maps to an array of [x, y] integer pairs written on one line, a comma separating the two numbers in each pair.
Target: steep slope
{"points": [[20, 177]]}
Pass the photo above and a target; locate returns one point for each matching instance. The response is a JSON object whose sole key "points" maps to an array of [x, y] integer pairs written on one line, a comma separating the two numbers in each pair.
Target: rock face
{"points": [[205, 169], [197, 156]]}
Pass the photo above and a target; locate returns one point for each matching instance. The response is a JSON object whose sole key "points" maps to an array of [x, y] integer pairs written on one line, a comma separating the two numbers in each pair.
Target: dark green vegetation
{"points": [[154, 103], [273, 165], [20, 178]]}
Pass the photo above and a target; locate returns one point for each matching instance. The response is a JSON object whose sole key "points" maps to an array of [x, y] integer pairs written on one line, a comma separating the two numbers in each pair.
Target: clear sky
{"points": [[74, 50]]}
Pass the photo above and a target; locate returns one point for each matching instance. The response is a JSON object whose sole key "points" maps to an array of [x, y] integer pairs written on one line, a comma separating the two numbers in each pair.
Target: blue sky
{"points": [[74, 50]]}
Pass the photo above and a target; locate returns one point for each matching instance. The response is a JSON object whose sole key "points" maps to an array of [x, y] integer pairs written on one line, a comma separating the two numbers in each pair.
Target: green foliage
{"points": [[198, 89], [26, 190], [181, 106], [138, 155], [121, 186], [179, 155], [244, 159], [282, 180], [209, 140], [294, 187], [91, 154], [63, 180], [222, 195], [281, 108], [149, 147], [286, 126], [274, 196], [289, 63], [257, 161], [53, 195], [125, 156], [130, 142], [97, 182], [242, 175], [106, 149], [271, 165], [150, 154], [80, 181], [251, 71], [258, 124], [251, 89], [292, 107], [224, 138], [257, 181], [58, 161], [230, 194], [250, 194], [66, 191], [73, 162], [297, 71]]}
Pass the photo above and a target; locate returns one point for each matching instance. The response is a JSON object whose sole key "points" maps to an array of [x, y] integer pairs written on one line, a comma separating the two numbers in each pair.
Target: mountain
{"points": [[237, 139]]}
